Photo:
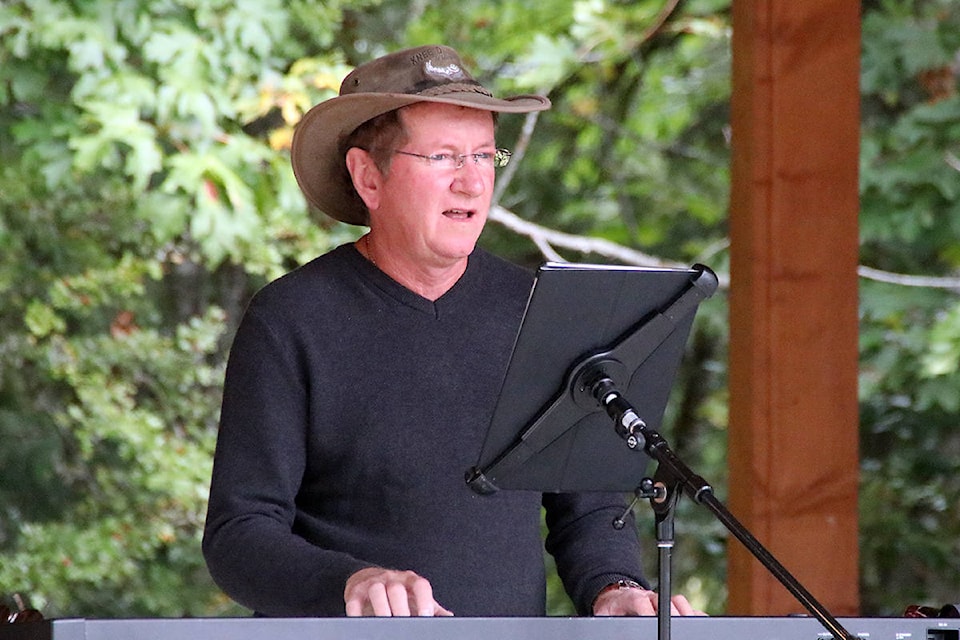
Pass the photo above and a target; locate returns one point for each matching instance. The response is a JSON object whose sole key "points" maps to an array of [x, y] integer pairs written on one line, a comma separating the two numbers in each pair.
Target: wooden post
{"points": [[793, 447]]}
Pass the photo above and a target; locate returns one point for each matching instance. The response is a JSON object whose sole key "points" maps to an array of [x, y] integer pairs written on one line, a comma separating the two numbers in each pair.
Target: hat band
{"points": [[455, 87]]}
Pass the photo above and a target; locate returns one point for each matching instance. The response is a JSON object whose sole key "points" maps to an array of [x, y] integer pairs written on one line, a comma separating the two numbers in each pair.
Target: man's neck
{"points": [[426, 280]]}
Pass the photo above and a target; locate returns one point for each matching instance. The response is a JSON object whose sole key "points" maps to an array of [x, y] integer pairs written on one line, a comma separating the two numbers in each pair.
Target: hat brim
{"points": [[315, 155]]}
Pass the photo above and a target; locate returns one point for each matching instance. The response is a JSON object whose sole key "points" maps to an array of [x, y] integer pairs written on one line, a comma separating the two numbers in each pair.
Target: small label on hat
{"points": [[451, 71]]}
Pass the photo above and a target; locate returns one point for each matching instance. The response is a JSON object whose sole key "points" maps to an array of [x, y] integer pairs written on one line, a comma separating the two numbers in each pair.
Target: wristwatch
{"points": [[620, 585], [626, 584]]}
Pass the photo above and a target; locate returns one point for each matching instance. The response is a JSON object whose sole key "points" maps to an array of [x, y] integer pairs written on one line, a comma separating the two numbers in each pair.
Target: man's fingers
{"points": [[645, 603], [681, 606], [399, 600], [422, 594], [639, 602], [626, 602], [354, 608], [383, 592], [379, 600]]}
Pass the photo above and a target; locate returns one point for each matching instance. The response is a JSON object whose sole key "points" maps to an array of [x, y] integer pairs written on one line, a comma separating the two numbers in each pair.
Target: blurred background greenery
{"points": [[145, 193]]}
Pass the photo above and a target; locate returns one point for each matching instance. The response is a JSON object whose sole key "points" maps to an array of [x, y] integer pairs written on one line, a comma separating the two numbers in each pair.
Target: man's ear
{"points": [[367, 179]]}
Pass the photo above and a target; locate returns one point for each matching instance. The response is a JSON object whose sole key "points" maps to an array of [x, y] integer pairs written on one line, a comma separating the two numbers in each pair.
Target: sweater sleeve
{"points": [[249, 544], [589, 552]]}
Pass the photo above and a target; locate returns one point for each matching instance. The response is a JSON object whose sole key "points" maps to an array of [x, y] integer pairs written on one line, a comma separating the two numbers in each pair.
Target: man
{"points": [[360, 385]]}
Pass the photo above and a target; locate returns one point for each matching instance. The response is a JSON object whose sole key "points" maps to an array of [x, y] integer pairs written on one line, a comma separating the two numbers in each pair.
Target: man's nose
{"points": [[469, 177]]}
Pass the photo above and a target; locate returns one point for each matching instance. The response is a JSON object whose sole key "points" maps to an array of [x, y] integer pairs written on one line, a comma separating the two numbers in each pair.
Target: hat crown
{"points": [[428, 70]]}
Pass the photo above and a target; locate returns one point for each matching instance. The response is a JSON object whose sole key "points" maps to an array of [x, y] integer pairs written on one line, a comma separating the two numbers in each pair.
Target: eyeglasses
{"points": [[497, 159]]}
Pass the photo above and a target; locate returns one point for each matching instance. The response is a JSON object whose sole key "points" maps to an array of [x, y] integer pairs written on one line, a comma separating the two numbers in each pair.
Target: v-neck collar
{"points": [[411, 299]]}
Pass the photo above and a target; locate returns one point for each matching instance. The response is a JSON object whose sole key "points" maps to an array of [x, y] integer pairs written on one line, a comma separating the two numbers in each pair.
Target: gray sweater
{"points": [[352, 408]]}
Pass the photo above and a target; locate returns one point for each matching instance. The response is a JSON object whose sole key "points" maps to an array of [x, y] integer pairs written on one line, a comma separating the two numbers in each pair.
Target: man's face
{"points": [[432, 214]]}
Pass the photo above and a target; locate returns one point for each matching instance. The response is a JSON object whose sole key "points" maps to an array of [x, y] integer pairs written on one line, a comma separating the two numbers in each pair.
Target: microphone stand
{"points": [[671, 480], [664, 501]]}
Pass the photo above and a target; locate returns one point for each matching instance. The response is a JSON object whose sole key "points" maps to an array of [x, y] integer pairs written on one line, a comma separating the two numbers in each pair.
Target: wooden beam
{"points": [[793, 442]]}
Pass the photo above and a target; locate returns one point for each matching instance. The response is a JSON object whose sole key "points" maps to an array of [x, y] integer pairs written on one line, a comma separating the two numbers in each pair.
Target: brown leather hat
{"points": [[423, 74]]}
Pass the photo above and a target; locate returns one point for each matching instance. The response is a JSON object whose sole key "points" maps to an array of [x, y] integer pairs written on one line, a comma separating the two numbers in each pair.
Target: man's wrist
{"points": [[619, 585], [622, 584]]}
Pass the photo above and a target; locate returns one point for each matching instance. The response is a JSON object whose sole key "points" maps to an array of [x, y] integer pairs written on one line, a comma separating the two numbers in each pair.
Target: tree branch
{"points": [[952, 161], [905, 280], [548, 239], [519, 150]]}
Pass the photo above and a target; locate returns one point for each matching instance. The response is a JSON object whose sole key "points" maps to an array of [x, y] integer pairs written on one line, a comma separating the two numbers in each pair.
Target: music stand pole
{"points": [[663, 500], [664, 511]]}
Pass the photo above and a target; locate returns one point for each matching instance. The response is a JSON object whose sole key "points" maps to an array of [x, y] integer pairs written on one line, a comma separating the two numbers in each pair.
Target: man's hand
{"points": [[383, 592], [639, 602]]}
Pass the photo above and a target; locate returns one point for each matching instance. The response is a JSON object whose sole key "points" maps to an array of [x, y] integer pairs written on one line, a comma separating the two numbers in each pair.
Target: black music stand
{"points": [[576, 311], [593, 336]]}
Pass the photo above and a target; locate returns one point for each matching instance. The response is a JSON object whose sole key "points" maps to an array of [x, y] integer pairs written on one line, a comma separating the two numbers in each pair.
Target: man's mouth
{"points": [[459, 214]]}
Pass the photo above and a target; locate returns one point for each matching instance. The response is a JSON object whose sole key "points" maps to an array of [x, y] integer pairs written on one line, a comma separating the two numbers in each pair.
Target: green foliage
{"points": [[134, 432], [910, 343], [911, 117], [146, 193]]}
